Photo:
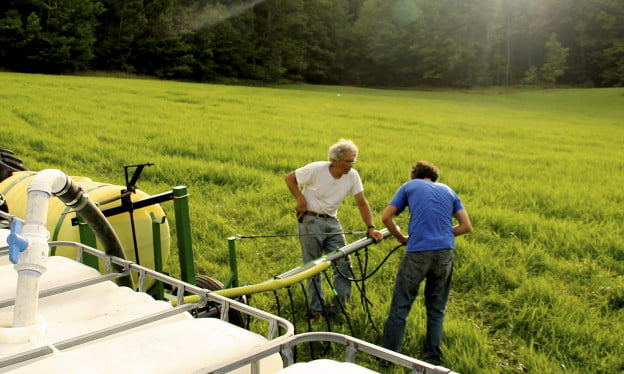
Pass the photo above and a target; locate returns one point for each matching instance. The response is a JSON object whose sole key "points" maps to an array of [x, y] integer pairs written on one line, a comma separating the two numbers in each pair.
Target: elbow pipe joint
{"points": [[50, 181]]}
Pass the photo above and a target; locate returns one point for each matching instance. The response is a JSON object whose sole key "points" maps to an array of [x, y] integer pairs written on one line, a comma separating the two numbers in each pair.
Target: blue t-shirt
{"points": [[431, 207]]}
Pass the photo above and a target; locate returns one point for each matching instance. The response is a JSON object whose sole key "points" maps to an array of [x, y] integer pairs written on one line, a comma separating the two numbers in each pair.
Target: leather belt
{"points": [[319, 214]]}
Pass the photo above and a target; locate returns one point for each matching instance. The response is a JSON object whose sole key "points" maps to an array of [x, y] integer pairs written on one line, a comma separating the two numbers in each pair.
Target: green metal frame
{"points": [[87, 237], [183, 230], [179, 196], [232, 280], [158, 289]]}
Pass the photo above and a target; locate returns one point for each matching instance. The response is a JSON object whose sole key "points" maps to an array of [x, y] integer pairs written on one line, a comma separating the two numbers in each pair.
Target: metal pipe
{"points": [[340, 252], [300, 273]]}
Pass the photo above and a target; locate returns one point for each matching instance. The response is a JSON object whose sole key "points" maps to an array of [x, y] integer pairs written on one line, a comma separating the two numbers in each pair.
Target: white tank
{"points": [[177, 344], [325, 366]]}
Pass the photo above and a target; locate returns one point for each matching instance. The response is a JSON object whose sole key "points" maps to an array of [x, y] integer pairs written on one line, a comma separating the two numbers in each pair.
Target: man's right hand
{"points": [[402, 239], [300, 216]]}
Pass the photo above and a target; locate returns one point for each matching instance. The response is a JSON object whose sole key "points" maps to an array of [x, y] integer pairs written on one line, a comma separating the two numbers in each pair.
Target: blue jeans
{"points": [[437, 268], [314, 243]]}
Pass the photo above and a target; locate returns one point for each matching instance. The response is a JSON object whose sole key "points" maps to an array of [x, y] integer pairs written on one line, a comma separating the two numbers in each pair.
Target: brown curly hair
{"points": [[424, 169]]}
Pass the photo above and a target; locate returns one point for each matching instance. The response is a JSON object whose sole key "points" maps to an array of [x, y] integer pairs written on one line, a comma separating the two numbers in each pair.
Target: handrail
{"points": [[352, 347], [205, 295]]}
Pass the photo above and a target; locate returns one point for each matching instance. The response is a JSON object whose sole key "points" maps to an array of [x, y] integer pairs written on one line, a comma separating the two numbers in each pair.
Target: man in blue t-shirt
{"points": [[429, 254]]}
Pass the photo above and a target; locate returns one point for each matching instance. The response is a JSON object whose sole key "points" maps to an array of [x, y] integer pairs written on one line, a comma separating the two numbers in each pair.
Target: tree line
{"points": [[454, 43]]}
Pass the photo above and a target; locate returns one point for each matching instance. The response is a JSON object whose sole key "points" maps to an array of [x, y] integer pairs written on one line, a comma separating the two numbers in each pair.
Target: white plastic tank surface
{"points": [[4, 234], [177, 344], [325, 366], [18, 335]]}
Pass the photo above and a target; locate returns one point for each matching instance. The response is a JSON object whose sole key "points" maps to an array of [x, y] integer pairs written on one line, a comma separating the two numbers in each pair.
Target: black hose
{"points": [[74, 197], [376, 269]]}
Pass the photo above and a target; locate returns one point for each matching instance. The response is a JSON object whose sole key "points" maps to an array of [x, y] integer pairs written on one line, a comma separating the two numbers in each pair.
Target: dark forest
{"points": [[392, 43]]}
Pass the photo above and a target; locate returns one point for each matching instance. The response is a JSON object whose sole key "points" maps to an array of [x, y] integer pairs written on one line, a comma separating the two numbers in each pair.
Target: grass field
{"points": [[538, 286]]}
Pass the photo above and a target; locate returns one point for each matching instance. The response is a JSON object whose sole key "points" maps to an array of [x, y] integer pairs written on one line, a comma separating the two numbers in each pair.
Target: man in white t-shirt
{"points": [[325, 186]]}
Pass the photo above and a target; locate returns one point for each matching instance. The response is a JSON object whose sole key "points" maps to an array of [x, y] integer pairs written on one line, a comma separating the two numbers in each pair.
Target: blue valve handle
{"points": [[17, 243]]}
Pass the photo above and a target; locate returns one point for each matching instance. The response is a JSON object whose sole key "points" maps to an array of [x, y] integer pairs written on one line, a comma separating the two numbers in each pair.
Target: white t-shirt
{"points": [[322, 191]]}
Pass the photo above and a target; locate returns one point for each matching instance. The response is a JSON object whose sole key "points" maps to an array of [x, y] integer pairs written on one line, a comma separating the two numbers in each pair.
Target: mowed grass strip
{"points": [[538, 286]]}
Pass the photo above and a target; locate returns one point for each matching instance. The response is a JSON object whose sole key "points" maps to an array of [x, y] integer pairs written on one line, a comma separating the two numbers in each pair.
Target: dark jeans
{"points": [[437, 268]]}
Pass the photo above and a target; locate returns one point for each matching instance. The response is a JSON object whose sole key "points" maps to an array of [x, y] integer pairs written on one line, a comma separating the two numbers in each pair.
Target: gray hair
{"points": [[337, 151]]}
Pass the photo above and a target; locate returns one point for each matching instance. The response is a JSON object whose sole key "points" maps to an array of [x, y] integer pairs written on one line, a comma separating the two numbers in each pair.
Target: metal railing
{"points": [[353, 346]]}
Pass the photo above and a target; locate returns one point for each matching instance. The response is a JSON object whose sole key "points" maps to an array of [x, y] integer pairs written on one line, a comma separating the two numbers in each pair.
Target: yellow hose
{"points": [[274, 284], [270, 285]]}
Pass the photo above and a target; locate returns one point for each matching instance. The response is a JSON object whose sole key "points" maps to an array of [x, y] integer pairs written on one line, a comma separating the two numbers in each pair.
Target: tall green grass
{"points": [[539, 284]]}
